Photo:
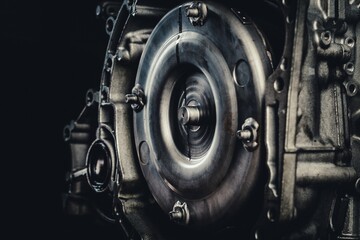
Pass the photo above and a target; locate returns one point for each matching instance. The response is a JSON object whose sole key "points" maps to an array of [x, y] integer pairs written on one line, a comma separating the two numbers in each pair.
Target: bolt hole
{"points": [[350, 42], [279, 84], [325, 38], [349, 68], [351, 89], [326, 35], [109, 25]]}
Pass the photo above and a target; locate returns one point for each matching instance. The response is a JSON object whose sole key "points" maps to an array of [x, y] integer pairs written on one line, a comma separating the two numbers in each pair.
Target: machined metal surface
{"points": [[185, 70]]}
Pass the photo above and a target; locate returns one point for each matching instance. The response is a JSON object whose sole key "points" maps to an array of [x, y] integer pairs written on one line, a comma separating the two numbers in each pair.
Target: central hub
{"points": [[190, 115]]}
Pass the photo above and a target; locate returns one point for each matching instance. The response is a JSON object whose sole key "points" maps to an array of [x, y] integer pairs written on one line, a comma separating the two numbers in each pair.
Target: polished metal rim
{"points": [[191, 155]]}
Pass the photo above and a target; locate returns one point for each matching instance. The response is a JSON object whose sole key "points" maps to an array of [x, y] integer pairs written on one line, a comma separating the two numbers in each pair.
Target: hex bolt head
{"points": [[249, 134], [176, 215], [197, 13], [180, 213], [136, 98]]}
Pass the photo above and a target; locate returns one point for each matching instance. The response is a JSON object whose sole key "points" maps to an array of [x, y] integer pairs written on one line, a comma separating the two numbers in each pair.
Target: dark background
{"points": [[51, 53]]}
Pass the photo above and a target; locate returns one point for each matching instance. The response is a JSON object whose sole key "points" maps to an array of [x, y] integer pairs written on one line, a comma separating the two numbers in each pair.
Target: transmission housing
{"points": [[216, 119]]}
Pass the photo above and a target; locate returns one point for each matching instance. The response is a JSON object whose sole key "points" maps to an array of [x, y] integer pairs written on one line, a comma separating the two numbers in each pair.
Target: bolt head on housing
{"points": [[180, 213], [197, 13], [249, 134]]}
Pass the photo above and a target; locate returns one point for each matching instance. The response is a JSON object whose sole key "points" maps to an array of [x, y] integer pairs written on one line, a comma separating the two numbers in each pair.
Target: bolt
{"points": [[244, 135], [131, 98], [180, 213], [136, 98], [176, 215], [197, 13], [248, 134], [189, 115], [192, 12]]}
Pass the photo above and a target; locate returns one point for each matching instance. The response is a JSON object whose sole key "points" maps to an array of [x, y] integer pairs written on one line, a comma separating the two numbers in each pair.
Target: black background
{"points": [[51, 53]]}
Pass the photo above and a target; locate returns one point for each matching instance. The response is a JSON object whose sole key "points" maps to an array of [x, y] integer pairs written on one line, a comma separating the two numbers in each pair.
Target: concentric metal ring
{"points": [[194, 138], [186, 156], [194, 108]]}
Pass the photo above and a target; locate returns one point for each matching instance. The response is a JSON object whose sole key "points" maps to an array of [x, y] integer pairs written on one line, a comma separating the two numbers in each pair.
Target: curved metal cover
{"points": [[217, 71]]}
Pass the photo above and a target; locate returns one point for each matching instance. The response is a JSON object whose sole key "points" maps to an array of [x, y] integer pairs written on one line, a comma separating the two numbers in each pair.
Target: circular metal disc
{"points": [[200, 84]]}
